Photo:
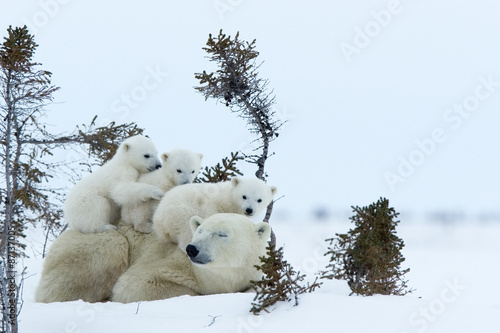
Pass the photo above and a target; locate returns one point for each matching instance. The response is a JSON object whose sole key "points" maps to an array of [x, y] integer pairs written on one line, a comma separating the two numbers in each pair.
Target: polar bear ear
{"points": [[263, 230], [195, 222], [235, 181], [164, 157], [274, 189], [200, 156], [126, 146]]}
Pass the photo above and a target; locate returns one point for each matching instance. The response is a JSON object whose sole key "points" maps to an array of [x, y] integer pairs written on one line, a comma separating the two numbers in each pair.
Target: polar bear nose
{"points": [[192, 251], [158, 166], [249, 211]]}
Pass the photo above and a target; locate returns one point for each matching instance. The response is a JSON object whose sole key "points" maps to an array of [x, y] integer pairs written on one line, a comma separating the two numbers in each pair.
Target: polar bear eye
{"points": [[244, 197], [222, 234], [192, 171], [259, 200], [147, 156], [179, 171]]}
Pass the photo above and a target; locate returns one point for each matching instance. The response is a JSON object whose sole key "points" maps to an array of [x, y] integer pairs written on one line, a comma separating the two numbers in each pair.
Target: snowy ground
{"points": [[453, 269], [367, 114]]}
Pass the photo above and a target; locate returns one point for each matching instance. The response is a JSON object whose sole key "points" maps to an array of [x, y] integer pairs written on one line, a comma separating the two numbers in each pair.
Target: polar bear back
{"points": [[171, 218], [83, 266], [205, 198]]}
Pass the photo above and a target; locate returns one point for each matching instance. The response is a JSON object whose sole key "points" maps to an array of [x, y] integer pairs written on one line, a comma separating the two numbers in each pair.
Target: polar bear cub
{"points": [[247, 196], [221, 259], [92, 205], [179, 167]]}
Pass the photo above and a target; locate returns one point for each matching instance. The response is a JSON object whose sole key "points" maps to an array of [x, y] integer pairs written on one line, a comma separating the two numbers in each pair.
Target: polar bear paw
{"points": [[155, 194], [107, 227], [144, 227]]}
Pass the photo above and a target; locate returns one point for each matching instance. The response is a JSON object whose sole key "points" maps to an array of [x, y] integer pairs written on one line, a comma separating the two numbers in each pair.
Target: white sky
{"points": [[408, 87]]}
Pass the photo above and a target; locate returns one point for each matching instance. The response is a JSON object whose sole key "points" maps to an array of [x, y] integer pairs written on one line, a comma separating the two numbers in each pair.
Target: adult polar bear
{"points": [[223, 253], [179, 166], [92, 205], [246, 196], [93, 267]]}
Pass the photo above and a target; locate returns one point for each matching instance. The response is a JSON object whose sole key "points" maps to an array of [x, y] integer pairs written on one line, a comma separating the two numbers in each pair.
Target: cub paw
{"points": [[157, 194], [154, 193], [145, 228], [107, 227]]}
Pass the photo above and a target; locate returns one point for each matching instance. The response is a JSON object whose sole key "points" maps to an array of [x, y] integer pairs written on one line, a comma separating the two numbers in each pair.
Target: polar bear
{"points": [[92, 205], [125, 265], [247, 196], [83, 266], [221, 259], [179, 167]]}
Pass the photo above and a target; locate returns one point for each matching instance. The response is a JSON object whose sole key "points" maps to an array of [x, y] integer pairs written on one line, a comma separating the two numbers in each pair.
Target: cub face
{"points": [[141, 153], [227, 240], [251, 195], [182, 165]]}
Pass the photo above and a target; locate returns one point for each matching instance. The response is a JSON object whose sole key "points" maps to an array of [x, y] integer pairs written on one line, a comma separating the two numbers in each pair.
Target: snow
{"points": [[452, 269], [350, 121]]}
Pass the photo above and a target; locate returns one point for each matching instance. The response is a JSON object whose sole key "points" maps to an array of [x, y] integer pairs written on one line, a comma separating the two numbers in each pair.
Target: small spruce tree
{"points": [[369, 256], [279, 283], [221, 173]]}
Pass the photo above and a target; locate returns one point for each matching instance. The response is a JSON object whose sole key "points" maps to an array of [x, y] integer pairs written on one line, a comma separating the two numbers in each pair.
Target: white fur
{"points": [[130, 266], [178, 167], [224, 251], [92, 205], [247, 196], [83, 266]]}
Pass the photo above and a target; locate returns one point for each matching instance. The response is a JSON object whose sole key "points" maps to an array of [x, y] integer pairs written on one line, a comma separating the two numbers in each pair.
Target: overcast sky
{"points": [[382, 98]]}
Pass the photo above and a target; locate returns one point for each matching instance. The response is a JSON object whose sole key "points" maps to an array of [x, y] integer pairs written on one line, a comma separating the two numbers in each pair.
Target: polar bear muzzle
{"points": [[154, 167], [195, 256]]}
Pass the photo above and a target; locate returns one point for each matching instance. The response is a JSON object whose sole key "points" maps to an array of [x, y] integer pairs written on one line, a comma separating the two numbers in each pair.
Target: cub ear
{"points": [[195, 222], [263, 230], [274, 189], [126, 146], [235, 181], [164, 157]]}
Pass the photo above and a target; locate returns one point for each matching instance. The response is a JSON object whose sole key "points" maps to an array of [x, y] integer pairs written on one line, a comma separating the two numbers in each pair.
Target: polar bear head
{"points": [[251, 195], [139, 152], [227, 240], [181, 166]]}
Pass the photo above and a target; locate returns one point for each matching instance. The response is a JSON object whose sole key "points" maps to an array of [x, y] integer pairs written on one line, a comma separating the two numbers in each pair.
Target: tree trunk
{"points": [[9, 286], [261, 162]]}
